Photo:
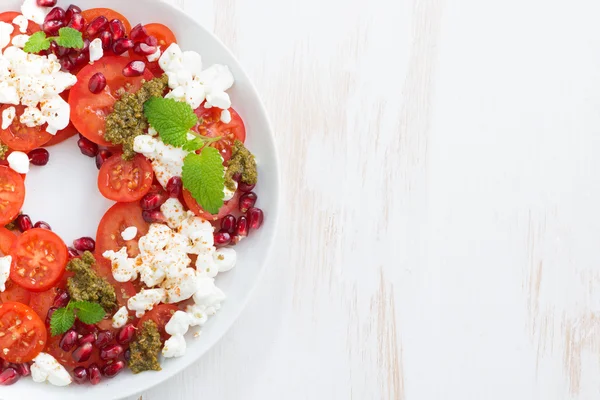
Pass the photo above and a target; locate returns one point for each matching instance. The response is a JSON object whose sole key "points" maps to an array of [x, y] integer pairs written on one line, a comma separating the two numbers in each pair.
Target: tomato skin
{"points": [[7, 239], [229, 206], [92, 13], [212, 126], [20, 137], [161, 315], [29, 251], [21, 322], [125, 181], [12, 194], [163, 33], [116, 220], [15, 293]]}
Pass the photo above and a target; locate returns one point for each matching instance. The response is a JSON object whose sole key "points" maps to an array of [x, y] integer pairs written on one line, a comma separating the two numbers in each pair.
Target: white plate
{"points": [[73, 206]]}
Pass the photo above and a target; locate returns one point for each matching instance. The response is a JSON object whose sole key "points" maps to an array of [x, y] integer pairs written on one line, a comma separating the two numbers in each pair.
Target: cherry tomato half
{"points": [[212, 126], [118, 218], [23, 334], [12, 194], [125, 180], [21, 137]]}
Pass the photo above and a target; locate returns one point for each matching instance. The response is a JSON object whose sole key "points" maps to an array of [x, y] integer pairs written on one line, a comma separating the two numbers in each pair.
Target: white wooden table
{"points": [[441, 234]]}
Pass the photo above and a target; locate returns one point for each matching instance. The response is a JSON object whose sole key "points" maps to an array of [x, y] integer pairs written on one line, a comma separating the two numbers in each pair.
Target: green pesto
{"points": [[128, 120], [86, 285], [145, 349], [242, 162], [3, 150]]}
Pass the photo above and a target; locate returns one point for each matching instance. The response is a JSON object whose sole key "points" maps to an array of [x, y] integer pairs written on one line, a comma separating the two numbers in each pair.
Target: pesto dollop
{"points": [[3, 150], [86, 285], [127, 120], [242, 162], [145, 349]]}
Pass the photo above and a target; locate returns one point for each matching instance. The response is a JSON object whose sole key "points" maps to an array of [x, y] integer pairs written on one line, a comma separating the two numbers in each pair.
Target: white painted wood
{"points": [[441, 230]]}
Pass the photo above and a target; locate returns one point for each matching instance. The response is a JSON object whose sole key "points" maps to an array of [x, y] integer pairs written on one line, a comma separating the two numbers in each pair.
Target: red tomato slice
{"points": [[163, 33], [110, 14], [41, 302], [229, 206], [118, 218], [39, 260], [22, 332], [20, 137], [213, 127], [161, 315], [7, 239], [8, 18], [124, 290], [63, 135], [89, 111], [12, 194], [15, 293], [125, 181]]}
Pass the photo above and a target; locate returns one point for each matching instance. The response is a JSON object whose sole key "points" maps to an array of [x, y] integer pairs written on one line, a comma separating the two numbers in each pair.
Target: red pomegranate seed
{"points": [[82, 353], [51, 27], [4, 364], [56, 14], [241, 229], [97, 83], [104, 338], [122, 45], [244, 187], [68, 340], [39, 157], [86, 46], [151, 41], [127, 355], [255, 217], [76, 22], [117, 29], [42, 225], [84, 329], [72, 252], [61, 300], [138, 33], [66, 64], [80, 375], [152, 216], [59, 51], [94, 374], [87, 147], [247, 201], [175, 187], [49, 315], [102, 156], [24, 222], [22, 369], [112, 370], [80, 59], [228, 224], [222, 238], [111, 352], [85, 244], [143, 49], [46, 3], [153, 201], [73, 9], [97, 25], [126, 334], [8, 377], [89, 338], [106, 38], [134, 68]]}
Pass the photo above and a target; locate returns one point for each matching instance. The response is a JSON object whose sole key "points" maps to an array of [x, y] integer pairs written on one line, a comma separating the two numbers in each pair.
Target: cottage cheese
{"points": [[146, 300], [21, 22], [46, 368], [129, 233], [6, 30], [226, 116], [8, 116], [119, 320], [33, 12], [18, 162], [20, 40], [96, 50], [167, 161], [4, 271]]}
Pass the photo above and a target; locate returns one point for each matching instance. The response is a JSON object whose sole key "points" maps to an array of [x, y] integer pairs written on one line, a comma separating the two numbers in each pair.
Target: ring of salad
{"points": [[170, 153]]}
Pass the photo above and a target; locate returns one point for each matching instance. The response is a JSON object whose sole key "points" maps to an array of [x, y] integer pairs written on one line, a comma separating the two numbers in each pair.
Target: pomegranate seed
{"points": [[42, 225], [255, 217], [56, 14], [76, 22], [22, 369], [80, 59], [80, 375], [241, 229], [49, 315], [66, 64], [117, 28], [104, 338], [61, 300], [152, 216], [247, 201], [106, 38], [85, 244], [134, 68], [111, 352], [127, 355], [84, 329], [175, 187], [222, 238], [4, 364], [46, 3], [39, 157], [112, 370], [73, 253], [151, 41], [51, 27], [143, 49], [138, 33], [153, 201], [244, 187], [94, 374], [82, 353], [8, 377], [87, 147], [86, 46], [68, 340], [122, 45], [73, 9], [24, 222], [97, 83], [89, 338], [97, 25], [228, 224], [102, 156], [59, 51], [126, 334]]}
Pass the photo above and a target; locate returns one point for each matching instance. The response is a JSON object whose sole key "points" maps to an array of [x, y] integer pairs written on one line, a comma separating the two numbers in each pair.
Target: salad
{"points": [[170, 153]]}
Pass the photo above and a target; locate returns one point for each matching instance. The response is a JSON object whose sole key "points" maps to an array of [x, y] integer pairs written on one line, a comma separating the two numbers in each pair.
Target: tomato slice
{"points": [[15, 293], [110, 14], [41, 302], [12, 194], [88, 110], [20, 137], [23, 334], [161, 315], [125, 181], [229, 206], [118, 218], [163, 33], [66, 359], [8, 18], [212, 126], [124, 290], [7, 239], [63, 135], [39, 260]]}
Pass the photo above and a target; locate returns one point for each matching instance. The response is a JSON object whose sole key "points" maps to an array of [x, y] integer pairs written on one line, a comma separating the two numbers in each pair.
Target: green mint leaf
{"points": [[89, 313], [204, 176], [69, 38], [195, 144], [37, 42], [171, 119], [62, 320]]}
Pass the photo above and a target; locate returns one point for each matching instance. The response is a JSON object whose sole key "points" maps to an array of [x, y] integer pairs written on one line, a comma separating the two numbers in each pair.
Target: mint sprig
{"points": [[171, 119], [63, 319], [204, 176], [67, 37]]}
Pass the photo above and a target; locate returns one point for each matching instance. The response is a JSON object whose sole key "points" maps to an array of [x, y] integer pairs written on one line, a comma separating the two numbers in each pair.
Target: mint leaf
{"points": [[204, 176], [88, 313], [62, 320], [69, 38], [36, 43], [171, 119], [195, 144]]}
